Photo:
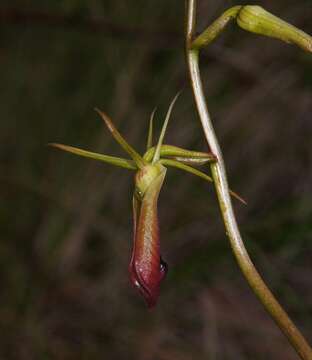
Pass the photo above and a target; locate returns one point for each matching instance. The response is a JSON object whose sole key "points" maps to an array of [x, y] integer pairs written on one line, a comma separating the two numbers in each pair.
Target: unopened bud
{"points": [[257, 20]]}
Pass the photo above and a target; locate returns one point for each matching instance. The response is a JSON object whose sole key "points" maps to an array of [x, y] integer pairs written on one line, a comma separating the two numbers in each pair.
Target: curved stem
{"points": [[219, 176]]}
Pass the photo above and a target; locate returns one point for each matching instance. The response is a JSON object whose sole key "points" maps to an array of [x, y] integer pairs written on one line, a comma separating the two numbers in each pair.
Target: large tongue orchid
{"points": [[147, 268]]}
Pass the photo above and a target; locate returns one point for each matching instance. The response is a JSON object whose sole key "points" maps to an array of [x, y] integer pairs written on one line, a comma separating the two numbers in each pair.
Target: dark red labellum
{"points": [[146, 268]]}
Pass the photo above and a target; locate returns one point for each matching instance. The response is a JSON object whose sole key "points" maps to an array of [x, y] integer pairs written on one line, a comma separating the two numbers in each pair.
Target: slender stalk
{"points": [[207, 36], [220, 181]]}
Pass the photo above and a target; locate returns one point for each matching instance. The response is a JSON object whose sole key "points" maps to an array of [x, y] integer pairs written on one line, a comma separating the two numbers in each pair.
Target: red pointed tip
{"points": [[146, 282], [148, 288]]}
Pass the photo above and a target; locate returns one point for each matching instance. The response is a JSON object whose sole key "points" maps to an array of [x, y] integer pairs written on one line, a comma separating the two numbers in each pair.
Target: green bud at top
{"points": [[257, 20]]}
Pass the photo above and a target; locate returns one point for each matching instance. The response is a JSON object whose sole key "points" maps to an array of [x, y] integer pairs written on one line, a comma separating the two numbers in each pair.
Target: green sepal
{"points": [[176, 164], [113, 160], [150, 131], [163, 130], [176, 153], [137, 158]]}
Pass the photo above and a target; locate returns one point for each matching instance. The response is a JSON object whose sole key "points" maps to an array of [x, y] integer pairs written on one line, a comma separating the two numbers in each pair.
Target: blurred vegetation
{"points": [[66, 225]]}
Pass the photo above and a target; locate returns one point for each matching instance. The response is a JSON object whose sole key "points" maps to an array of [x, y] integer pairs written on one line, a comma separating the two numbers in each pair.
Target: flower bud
{"points": [[257, 20]]}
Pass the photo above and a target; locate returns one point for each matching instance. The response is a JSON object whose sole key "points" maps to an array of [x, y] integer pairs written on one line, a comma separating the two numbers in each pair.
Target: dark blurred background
{"points": [[66, 222]]}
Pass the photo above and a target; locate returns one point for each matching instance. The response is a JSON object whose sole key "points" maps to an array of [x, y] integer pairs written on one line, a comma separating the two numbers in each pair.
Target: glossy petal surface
{"points": [[147, 269]]}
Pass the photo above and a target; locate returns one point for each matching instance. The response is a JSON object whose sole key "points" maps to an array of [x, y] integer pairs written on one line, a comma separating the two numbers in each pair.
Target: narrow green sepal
{"points": [[186, 156], [163, 130], [193, 161], [187, 168], [150, 131], [137, 158], [124, 163]]}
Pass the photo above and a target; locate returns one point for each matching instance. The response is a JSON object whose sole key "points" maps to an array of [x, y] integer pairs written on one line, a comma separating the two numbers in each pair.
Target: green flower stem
{"points": [[208, 35], [220, 181]]}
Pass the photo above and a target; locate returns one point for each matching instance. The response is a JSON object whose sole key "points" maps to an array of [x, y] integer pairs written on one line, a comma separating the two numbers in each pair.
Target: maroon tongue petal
{"points": [[147, 270], [147, 283], [146, 267]]}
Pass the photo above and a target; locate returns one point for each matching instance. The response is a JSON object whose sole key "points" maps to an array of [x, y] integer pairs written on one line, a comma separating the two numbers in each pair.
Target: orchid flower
{"points": [[147, 269]]}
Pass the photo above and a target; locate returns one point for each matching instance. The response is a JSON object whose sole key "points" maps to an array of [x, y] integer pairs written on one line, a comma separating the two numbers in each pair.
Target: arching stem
{"points": [[220, 181]]}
